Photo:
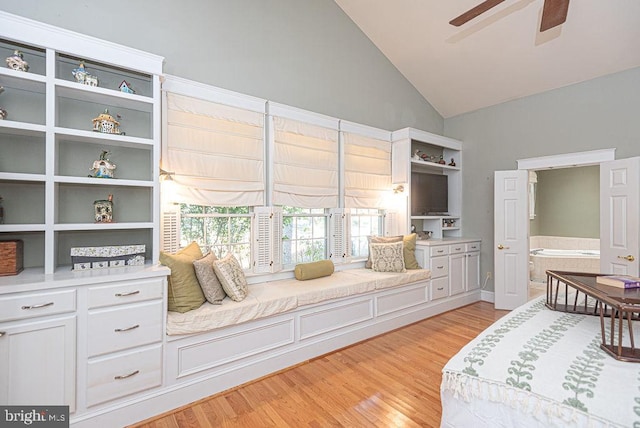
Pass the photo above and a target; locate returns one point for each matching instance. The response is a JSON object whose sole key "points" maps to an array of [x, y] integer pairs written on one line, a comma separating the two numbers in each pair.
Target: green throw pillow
{"points": [[304, 271], [409, 251], [185, 293]]}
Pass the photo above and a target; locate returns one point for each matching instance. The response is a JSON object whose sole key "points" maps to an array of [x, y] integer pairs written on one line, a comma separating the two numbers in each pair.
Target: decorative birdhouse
{"points": [[106, 124], [82, 76], [126, 87], [103, 168], [17, 62], [103, 210]]}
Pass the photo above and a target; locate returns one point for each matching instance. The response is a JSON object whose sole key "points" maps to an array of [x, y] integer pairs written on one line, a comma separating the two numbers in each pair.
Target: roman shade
{"points": [[367, 170], [305, 161], [215, 152]]}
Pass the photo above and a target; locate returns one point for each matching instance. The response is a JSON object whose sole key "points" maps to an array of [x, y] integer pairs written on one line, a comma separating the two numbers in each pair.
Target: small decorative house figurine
{"points": [[103, 168], [106, 124], [441, 161], [3, 113], [416, 155], [103, 210], [82, 76], [126, 87], [17, 62]]}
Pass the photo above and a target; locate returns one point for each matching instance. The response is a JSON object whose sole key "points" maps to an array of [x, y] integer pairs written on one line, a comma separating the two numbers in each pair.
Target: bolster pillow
{"points": [[304, 271]]}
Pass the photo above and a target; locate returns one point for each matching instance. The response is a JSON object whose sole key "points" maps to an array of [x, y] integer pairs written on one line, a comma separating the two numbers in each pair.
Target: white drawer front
{"points": [[473, 246], [440, 250], [124, 327], [125, 292], [115, 377], [439, 288], [456, 248], [439, 267], [29, 305]]}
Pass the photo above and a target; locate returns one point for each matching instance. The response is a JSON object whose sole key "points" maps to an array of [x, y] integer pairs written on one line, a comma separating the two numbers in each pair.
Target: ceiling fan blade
{"points": [[472, 13], [554, 13]]}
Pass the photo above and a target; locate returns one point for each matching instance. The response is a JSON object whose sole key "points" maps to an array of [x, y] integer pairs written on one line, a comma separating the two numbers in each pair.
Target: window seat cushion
{"points": [[275, 297]]}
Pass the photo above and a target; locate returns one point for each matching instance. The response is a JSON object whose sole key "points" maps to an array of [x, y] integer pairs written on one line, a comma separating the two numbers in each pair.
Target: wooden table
{"points": [[607, 302]]}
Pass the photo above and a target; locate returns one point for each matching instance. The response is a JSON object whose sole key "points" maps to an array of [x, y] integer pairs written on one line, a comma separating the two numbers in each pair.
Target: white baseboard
{"points": [[488, 296]]}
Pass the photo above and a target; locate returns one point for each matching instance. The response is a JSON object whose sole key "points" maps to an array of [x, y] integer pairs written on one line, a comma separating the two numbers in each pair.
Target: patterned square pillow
{"points": [[208, 280], [387, 257], [231, 277], [379, 240]]}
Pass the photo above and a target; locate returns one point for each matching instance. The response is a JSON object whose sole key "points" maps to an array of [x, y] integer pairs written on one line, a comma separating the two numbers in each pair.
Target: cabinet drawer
{"points": [[473, 246], [456, 248], [439, 267], [29, 305], [441, 250], [115, 377], [125, 292], [439, 288], [124, 327]]}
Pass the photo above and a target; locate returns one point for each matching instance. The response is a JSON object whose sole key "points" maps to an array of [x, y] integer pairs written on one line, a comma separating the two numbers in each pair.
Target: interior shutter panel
{"points": [[339, 236], [169, 232], [267, 239]]}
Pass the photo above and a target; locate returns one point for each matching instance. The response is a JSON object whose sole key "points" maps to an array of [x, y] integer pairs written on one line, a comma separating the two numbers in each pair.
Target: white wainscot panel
{"points": [[325, 319], [402, 299], [227, 348]]}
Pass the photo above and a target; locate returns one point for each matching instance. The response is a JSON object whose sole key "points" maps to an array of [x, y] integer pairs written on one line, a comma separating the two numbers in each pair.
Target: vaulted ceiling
{"points": [[501, 55]]}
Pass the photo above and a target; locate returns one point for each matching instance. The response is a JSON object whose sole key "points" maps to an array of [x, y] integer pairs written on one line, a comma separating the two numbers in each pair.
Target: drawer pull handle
{"points": [[458, 249], [119, 377], [118, 330], [440, 251], [441, 288], [131, 293], [2, 333], [440, 267], [41, 305]]}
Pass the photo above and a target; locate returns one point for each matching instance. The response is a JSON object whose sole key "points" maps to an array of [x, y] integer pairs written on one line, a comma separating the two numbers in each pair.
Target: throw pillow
{"points": [[304, 271], [379, 240], [387, 257], [231, 277], [409, 251], [185, 293], [211, 287]]}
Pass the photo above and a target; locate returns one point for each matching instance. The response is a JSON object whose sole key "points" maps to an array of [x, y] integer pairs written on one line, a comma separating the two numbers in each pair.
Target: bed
{"points": [[540, 368]]}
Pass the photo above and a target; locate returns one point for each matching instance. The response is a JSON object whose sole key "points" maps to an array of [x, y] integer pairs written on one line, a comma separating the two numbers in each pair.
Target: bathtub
{"points": [[554, 255]]}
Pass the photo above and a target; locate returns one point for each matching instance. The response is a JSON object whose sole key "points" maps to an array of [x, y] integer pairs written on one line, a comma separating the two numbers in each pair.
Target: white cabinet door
{"points": [[38, 362], [473, 271], [457, 275]]}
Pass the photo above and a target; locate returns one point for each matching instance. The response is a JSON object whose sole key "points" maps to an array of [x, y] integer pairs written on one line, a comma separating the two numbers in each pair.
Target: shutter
{"points": [[267, 238], [339, 236], [170, 232]]}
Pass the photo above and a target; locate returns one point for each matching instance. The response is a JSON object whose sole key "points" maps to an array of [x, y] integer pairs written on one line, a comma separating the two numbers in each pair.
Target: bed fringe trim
{"points": [[467, 387]]}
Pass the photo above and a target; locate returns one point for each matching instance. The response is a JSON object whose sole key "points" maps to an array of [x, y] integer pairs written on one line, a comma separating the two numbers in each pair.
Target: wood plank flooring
{"points": [[392, 380]]}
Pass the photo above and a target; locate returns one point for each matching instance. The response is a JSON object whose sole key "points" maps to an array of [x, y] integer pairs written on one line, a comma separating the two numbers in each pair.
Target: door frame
{"points": [[566, 160]]}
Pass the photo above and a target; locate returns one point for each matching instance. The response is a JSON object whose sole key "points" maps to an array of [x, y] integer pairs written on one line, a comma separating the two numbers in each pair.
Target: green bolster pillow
{"points": [[304, 271]]}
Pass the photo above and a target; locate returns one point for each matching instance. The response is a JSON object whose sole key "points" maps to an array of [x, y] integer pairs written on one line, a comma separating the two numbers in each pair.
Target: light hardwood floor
{"points": [[392, 380]]}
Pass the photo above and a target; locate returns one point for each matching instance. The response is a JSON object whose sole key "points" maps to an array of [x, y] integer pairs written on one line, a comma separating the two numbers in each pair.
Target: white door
{"points": [[511, 238], [619, 216]]}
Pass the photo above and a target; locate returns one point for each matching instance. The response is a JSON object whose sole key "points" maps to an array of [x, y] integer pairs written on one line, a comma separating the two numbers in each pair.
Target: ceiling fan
{"points": [[554, 13]]}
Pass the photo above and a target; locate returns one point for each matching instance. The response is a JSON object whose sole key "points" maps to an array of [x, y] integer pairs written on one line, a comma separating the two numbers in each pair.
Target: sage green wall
{"points": [[568, 203], [304, 53], [597, 114]]}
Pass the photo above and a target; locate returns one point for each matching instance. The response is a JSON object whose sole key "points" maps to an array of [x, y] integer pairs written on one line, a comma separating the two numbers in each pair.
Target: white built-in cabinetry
{"points": [[405, 143], [454, 265], [78, 338]]}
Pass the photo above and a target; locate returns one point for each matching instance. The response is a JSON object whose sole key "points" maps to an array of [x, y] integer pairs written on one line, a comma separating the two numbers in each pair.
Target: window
{"points": [[222, 230], [364, 223], [304, 235]]}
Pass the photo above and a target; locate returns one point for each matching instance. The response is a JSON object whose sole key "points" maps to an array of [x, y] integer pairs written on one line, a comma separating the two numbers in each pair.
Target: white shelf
{"points": [[22, 80], [93, 137], [18, 228], [17, 176], [432, 165], [98, 95], [22, 128], [101, 226], [102, 181]]}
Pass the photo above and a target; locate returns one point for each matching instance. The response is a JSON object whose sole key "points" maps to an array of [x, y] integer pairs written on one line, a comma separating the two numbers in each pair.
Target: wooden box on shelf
{"points": [[11, 257]]}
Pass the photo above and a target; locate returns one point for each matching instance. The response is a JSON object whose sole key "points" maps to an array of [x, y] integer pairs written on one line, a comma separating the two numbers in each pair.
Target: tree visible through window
{"points": [[222, 230], [304, 235]]}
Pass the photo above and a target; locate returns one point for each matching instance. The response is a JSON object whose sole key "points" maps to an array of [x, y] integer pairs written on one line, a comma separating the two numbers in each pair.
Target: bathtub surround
{"points": [[562, 254]]}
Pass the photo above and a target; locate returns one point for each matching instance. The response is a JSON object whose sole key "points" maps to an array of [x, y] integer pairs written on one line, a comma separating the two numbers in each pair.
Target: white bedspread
{"points": [[539, 368]]}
